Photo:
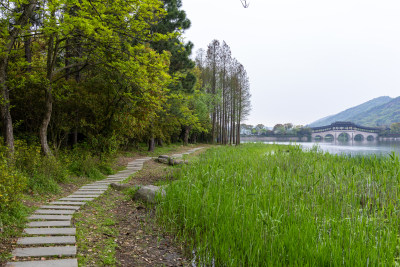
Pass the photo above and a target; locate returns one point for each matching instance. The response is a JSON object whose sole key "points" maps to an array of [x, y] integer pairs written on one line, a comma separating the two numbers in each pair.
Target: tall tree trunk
{"points": [[8, 133], [152, 144], [160, 142], [186, 135], [23, 20], [51, 52], [45, 122], [75, 136], [28, 52]]}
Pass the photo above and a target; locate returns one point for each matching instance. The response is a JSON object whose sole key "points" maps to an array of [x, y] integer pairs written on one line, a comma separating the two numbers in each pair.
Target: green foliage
{"points": [[131, 192], [44, 173], [81, 162], [253, 205], [12, 184]]}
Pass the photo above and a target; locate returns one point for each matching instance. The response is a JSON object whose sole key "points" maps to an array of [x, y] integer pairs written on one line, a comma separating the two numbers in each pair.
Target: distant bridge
{"points": [[344, 130]]}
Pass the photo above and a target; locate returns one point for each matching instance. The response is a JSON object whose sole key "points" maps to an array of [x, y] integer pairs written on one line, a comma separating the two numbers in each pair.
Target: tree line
{"points": [[279, 130], [113, 74]]}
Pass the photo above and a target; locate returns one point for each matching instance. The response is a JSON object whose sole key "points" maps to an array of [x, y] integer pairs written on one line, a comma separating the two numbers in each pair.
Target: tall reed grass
{"points": [[270, 205]]}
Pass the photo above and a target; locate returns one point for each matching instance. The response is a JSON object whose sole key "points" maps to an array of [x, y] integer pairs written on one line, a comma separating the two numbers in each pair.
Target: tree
{"points": [[108, 36], [226, 80], [395, 128], [15, 19]]}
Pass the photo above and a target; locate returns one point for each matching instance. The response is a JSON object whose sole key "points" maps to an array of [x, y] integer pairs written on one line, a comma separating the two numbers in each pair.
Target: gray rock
{"points": [[174, 162], [120, 187], [163, 160], [148, 193]]}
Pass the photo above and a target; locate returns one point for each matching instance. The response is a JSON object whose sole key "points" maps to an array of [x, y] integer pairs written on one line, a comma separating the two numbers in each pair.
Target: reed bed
{"points": [[270, 205]]}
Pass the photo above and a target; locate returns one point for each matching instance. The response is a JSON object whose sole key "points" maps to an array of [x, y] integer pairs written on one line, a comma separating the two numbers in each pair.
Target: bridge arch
{"points": [[370, 138], [318, 138], [359, 137], [344, 137], [329, 138]]}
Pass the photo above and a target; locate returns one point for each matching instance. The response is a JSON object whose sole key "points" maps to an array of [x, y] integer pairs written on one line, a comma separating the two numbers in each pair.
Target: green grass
{"points": [[269, 205], [96, 233]]}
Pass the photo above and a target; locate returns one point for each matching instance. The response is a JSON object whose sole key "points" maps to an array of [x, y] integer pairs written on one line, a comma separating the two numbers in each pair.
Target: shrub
{"points": [[12, 184]]}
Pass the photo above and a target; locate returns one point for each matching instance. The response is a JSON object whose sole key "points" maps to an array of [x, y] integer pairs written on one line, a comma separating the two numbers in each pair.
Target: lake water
{"points": [[352, 148]]}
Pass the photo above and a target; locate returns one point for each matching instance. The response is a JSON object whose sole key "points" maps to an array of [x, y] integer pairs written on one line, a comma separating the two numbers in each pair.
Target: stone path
{"points": [[49, 232]]}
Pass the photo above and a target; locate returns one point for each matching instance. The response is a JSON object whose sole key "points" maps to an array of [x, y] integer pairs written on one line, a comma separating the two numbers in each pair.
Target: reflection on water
{"points": [[351, 147]]}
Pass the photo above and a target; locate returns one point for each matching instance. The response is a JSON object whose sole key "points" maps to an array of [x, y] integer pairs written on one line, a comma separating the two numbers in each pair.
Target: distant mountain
{"points": [[385, 114], [383, 110]]}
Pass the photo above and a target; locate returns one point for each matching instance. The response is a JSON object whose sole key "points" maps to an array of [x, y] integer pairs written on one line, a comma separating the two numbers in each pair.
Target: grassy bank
{"points": [[275, 205], [29, 179]]}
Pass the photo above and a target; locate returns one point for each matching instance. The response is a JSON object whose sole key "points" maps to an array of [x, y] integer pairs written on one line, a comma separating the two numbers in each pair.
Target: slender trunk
{"points": [[8, 133], [45, 123], [22, 21], [160, 142], [67, 57], [28, 52], [152, 144], [75, 136], [48, 98], [186, 135]]}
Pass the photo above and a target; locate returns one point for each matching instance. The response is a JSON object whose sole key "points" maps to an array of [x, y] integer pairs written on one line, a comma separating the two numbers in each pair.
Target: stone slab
{"points": [[68, 212], [50, 217], [67, 203], [47, 263], [45, 251], [95, 187], [76, 199], [61, 207], [88, 193], [50, 231], [40, 240], [83, 195], [50, 224], [92, 189]]}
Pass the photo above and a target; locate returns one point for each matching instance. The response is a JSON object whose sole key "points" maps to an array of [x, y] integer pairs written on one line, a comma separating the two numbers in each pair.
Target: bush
{"points": [[81, 162], [12, 184], [43, 172]]}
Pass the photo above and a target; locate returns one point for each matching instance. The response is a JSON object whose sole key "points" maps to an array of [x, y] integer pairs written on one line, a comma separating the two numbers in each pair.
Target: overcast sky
{"points": [[306, 59]]}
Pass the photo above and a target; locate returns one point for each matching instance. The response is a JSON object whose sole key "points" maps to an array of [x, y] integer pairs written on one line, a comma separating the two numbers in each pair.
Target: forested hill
{"points": [[379, 111]]}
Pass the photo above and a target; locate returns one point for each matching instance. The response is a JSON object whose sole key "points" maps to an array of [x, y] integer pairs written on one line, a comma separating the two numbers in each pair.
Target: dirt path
{"points": [[133, 237]]}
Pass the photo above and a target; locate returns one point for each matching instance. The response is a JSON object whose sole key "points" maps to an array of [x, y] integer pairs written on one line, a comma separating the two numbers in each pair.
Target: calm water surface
{"points": [[380, 148]]}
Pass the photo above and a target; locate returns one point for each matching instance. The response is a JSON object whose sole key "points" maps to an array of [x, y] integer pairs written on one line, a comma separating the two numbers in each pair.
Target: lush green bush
{"points": [[82, 162], [43, 173], [12, 184]]}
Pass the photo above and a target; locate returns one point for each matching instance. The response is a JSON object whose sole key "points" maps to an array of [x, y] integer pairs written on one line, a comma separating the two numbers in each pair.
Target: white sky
{"points": [[306, 59]]}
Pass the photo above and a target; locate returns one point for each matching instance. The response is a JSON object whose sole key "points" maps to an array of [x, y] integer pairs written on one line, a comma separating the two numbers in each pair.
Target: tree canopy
{"points": [[112, 74]]}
